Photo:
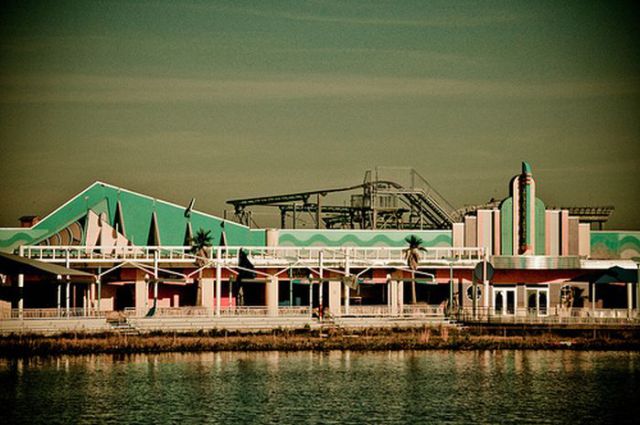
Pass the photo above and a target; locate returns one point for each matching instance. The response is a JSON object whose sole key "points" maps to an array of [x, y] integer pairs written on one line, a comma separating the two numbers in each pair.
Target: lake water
{"points": [[324, 388]]}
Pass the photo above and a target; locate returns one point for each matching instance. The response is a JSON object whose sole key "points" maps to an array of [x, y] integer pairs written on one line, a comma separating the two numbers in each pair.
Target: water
{"points": [[325, 388]]}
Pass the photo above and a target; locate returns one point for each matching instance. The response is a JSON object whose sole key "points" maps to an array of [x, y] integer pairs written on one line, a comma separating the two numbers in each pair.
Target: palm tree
{"points": [[199, 247], [412, 255]]}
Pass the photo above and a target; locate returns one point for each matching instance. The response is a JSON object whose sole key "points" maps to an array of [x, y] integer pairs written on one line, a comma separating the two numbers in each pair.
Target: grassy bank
{"points": [[370, 339]]}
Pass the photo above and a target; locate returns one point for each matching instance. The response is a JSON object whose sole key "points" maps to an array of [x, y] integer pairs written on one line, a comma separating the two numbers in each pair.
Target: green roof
{"points": [[136, 211]]}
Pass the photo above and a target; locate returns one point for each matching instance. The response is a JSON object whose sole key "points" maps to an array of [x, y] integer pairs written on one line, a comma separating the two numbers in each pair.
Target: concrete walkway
{"points": [[194, 324]]}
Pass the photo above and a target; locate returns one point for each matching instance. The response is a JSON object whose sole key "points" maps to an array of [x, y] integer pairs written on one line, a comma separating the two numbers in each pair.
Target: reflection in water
{"points": [[334, 387]]}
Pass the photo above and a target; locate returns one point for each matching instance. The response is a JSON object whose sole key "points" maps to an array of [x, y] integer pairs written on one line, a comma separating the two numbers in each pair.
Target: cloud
{"points": [[95, 89], [459, 21]]}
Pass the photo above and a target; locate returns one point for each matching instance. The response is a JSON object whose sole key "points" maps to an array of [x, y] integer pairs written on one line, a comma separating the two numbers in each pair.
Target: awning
{"points": [[611, 275], [13, 264], [535, 262], [179, 282]]}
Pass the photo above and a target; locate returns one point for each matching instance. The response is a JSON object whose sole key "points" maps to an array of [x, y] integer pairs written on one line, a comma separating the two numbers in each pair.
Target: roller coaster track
{"points": [[437, 212]]}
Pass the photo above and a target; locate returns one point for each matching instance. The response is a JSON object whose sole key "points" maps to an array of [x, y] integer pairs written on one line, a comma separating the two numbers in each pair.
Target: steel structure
{"points": [[597, 215], [381, 204]]}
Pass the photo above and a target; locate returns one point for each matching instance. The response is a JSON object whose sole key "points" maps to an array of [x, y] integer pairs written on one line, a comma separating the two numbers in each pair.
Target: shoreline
{"points": [[16, 346]]}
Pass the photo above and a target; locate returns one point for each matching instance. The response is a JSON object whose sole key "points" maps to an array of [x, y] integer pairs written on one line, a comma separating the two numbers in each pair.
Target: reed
{"points": [[285, 340]]}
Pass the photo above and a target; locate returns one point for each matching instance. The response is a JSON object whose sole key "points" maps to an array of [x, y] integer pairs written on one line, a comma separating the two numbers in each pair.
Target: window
{"points": [[470, 292]]}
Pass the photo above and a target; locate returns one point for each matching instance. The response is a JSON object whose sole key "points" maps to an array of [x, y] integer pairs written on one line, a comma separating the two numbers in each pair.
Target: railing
{"points": [[259, 255], [50, 313], [552, 316], [245, 311], [366, 310], [423, 310], [182, 312], [62, 253], [293, 311]]}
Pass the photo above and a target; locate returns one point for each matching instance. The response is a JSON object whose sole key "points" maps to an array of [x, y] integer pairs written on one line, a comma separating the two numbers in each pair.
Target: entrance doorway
{"points": [[504, 301], [538, 301]]}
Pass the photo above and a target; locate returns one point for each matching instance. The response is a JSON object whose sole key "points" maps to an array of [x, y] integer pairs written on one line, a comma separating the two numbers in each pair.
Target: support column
{"points": [[450, 307], [310, 296], [389, 295], [68, 298], [320, 285], [400, 297], [59, 299], [629, 300], [347, 299], [92, 296], [141, 294], [155, 279], [99, 282], [335, 292], [21, 287], [20, 294], [638, 292], [321, 298], [290, 292], [318, 212], [206, 286], [219, 282], [272, 295], [394, 298], [486, 298], [347, 290], [85, 301], [68, 292]]}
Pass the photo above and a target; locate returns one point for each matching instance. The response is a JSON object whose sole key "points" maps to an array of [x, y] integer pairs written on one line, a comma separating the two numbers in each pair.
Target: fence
{"points": [[50, 313], [552, 316], [421, 310]]}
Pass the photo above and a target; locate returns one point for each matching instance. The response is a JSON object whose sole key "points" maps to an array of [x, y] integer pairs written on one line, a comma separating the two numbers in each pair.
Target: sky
{"points": [[229, 99]]}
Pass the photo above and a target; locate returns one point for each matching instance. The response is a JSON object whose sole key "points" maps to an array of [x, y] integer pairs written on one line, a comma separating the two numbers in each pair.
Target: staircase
{"points": [[122, 326]]}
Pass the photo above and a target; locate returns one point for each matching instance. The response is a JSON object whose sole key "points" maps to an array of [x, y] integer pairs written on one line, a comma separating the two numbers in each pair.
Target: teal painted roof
{"points": [[136, 212]]}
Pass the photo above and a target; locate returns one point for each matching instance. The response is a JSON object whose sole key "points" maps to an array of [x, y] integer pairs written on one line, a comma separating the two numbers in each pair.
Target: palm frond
{"points": [[201, 240], [413, 241]]}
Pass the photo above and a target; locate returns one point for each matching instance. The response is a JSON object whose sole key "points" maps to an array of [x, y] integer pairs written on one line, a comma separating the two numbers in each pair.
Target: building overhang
{"points": [[14, 264], [535, 262]]}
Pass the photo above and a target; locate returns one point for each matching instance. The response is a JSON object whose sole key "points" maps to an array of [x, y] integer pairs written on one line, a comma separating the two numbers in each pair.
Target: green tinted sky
{"points": [[217, 100]]}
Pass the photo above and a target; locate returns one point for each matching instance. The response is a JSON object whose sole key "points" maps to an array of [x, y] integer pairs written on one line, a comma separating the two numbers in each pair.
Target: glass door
{"points": [[504, 301], [538, 301]]}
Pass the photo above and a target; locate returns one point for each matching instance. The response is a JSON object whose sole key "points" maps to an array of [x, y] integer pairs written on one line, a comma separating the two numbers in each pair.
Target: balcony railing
{"points": [[259, 255]]}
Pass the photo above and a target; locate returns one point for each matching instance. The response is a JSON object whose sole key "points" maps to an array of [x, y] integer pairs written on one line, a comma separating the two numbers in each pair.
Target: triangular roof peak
{"points": [[121, 189]]}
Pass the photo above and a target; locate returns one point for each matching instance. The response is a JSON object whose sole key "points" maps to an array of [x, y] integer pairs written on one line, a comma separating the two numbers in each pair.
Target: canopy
{"points": [[13, 264], [610, 275]]}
